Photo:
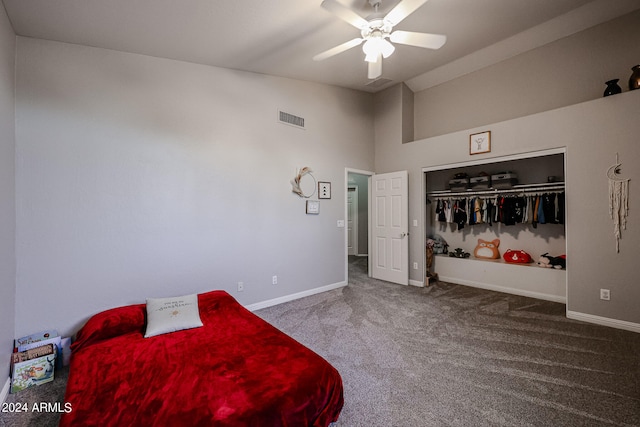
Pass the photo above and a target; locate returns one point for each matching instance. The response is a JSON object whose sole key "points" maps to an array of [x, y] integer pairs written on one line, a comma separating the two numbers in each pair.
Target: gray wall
{"points": [[141, 177], [7, 195], [592, 132], [565, 72]]}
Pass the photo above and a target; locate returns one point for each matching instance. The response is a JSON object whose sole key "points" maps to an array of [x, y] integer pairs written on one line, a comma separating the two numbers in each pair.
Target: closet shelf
{"points": [[498, 261], [516, 189]]}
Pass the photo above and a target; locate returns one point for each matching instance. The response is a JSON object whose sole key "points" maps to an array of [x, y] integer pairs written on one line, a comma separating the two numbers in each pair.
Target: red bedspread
{"points": [[236, 370]]}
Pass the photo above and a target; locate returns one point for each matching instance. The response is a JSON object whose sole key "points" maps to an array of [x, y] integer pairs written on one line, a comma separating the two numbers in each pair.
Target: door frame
{"points": [[369, 174], [356, 231]]}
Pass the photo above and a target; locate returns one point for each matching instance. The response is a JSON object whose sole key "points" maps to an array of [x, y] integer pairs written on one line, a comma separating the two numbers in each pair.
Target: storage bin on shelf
{"points": [[482, 182], [504, 181]]}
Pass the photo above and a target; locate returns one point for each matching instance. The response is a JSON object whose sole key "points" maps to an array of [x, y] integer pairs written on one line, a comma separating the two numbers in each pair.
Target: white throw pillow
{"points": [[172, 314]]}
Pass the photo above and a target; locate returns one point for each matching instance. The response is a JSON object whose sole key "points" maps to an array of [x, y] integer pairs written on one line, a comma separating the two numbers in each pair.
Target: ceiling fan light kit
{"points": [[375, 32], [376, 45]]}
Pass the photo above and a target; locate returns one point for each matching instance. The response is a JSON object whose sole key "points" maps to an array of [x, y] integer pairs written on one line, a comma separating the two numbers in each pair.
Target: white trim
{"points": [[292, 297], [417, 283], [354, 219], [504, 289], [604, 321], [5, 391], [519, 156], [347, 171]]}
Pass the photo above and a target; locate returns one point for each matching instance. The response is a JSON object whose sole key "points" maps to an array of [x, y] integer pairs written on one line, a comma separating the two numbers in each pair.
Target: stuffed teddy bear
{"points": [[548, 261]]}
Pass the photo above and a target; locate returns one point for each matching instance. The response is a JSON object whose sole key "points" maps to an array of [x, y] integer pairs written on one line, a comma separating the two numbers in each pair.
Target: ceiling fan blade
{"points": [[338, 49], [375, 68], [402, 10], [429, 41], [344, 13]]}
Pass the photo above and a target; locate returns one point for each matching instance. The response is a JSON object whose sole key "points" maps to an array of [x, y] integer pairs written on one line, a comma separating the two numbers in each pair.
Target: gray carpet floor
{"points": [[452, 355], [449, 355]]}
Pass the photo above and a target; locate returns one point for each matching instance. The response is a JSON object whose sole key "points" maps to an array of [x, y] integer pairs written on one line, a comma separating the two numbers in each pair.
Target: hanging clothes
{"points": [[560, 208], [478, 210], [510, 209], [549, 207], [541, 217], [440, 211], [460, 213], [535, 208]]}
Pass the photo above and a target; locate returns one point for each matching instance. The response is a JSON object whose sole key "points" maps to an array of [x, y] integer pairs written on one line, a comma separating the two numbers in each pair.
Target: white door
{"points": [[352, 220], [390, 227]]}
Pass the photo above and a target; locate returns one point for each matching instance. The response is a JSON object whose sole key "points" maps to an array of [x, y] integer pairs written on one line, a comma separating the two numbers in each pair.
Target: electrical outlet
{"points": [[240, 286], [605, 294], [415, 265], [274, 280]]}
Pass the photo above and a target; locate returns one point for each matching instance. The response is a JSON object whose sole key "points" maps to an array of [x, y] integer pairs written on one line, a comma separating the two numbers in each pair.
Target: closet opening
{"points": [[465, 212]]}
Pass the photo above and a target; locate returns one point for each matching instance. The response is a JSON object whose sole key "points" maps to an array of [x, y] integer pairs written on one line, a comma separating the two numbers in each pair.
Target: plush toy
{"points": [[548, 261], [486, 249], [459, 253], [438, 244], [517, 257]]}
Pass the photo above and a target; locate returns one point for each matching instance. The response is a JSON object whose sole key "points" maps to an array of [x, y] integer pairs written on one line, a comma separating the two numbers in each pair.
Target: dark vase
{"points": [[612, 88], [634, 80]]}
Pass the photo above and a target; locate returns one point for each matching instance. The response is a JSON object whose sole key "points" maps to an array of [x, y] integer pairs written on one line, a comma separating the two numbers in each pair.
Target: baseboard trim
{"points": [[292, 297], [5, 391], [604, 321], [416, 283], [504, 289]]}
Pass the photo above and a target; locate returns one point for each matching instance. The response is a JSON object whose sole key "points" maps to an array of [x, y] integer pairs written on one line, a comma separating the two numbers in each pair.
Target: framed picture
{"points": [[480, 142], [313, 207], [324, 190]]}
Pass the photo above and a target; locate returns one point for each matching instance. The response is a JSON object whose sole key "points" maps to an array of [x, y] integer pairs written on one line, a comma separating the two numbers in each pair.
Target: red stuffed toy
{"points": [[517, 257]]}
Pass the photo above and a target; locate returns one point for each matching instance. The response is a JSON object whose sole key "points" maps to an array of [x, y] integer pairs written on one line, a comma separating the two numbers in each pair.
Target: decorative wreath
{"points": [[295, 182]]}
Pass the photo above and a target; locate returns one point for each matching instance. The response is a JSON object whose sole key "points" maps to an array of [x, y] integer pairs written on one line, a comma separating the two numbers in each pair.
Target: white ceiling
{"points": [[279, 37]]}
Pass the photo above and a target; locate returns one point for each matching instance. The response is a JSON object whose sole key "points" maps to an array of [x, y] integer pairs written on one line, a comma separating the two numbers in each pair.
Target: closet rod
{"points": [[519, 190]]}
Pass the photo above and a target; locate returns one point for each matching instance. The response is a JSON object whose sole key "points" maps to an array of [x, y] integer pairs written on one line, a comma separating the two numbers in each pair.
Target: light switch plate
{"points": [[313, 207]]}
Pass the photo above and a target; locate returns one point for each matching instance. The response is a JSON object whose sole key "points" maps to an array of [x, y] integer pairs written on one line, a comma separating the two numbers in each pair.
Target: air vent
{"points": [[378, 82], [291, 119]]}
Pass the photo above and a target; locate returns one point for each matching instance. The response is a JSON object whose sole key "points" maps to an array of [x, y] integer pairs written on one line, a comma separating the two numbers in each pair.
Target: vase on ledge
{"points": [[634, 80], [612, 88]]}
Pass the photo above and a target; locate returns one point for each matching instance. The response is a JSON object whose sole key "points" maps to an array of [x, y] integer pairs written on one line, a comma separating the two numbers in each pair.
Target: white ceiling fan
{"points": [[374, 33]]}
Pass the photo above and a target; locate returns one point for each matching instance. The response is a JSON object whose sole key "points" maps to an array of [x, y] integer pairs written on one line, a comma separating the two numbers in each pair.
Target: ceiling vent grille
{"points": [[291, 119]]}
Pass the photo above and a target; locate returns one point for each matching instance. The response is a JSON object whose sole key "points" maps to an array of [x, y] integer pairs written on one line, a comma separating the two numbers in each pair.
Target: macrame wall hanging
{"points": [[618, 200]]}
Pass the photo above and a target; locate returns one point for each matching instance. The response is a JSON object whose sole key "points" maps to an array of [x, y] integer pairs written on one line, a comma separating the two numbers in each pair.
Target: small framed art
{"points": [[324, 190], [313, 207], [480, 142]]}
